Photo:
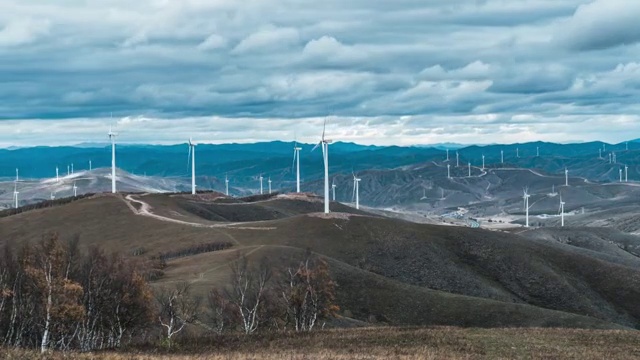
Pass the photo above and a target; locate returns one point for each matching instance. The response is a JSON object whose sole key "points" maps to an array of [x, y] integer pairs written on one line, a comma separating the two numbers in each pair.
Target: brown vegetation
{"points": [[387, 344]]}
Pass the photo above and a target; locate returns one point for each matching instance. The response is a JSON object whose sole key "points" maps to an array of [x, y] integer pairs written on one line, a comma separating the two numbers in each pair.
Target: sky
{"points": [[399, 72]]}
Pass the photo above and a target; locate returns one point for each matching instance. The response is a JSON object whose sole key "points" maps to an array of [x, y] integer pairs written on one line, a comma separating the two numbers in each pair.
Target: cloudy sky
{"points": [[384, 72]]}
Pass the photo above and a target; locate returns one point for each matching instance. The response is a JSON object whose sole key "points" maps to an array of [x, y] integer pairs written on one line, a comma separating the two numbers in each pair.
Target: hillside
{"points": [[385, 268]]}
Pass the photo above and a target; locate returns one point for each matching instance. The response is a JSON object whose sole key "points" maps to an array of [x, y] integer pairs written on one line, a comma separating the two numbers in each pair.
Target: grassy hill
{"points": [[387, 270]]}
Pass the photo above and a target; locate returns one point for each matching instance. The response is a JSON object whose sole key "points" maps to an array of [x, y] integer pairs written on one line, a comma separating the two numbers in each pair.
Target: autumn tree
{"points": [[308, 292]]}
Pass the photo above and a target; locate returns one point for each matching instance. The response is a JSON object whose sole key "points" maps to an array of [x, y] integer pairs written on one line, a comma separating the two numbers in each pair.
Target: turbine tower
{"points": [[192, 158], [469, 169], [75, 189], [57, 175], [537, 151], [566, 177], [482, 162], [517, 153], [561, 210], [502, 156], [71, 168], [90, 167], [356, 190], [525, 197], [261, 178], [269, 184], [447, 155], [448, 171], [457, 159], [333, 189], [112, 137], [226, 183], [620, 171], [626, 173], [15, 194], [296, 160], [324, 143]]}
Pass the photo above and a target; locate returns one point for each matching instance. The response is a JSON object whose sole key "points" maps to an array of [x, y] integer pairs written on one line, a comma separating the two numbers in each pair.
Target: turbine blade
{"points": [[324, 128], [189, 157], [315, 147], [293, 163]]}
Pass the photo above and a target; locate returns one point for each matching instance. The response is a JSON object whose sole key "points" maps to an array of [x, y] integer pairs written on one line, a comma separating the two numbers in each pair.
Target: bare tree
{"points": [[177, 308], [248, 291], [221, 312]]}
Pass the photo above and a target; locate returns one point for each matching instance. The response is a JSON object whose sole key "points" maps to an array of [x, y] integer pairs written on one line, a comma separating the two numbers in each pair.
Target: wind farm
{"points": [[363, 180]]}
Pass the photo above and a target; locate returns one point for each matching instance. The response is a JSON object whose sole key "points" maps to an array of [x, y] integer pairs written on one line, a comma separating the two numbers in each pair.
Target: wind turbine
{"points": [[482, 162], [502, 156], [333, 189], [610, 158], [71, 168], [52, 197], [324, 143], [57, 175], [269, 184], [112, 137], [566, 177], [448, 171], [90, 167], [525, 197], [192, 158], [226, 183], [296, 160], [620, 171], [261, 178], [447, 155], [626, 173], [457, 159], [75, 189], [537, 151], [561, 210], [356, 191], [469, 169], [68, 170], [517, 153]]}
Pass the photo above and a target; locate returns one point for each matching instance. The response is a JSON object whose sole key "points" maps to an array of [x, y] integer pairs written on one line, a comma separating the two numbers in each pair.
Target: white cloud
{"points": [[214, 41], [268, 38], [23, 31]]}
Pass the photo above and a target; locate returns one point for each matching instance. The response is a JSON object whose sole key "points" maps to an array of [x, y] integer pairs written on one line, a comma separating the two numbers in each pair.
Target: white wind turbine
{"points": [[68, 170], [620, 171], [502, 156], [90, 167], [226, 183], [53, 196], [75, 189], [261, 178], [517, 153], [296, 160], [537, 151], [561, 211], [447, 155], [192, 158], [482, 162], [112, 137], [57, 175], [566, 177], [457, 159], [356, 191], [333, 189], [71, 168], [448, 171], [324, 143], [469, 165], [269, 184], [610, 158], [525, 197]]}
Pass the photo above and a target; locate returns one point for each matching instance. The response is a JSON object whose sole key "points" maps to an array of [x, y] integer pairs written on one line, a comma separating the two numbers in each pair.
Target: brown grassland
{"points": [[388, 343]]}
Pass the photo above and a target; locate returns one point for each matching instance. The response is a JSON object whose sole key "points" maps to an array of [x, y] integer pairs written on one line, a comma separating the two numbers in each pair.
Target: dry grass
{"points": [[393, 343]]}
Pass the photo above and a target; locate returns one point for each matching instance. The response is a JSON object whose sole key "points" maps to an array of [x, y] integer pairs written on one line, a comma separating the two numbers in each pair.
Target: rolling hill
{"points": [[388, 270]]}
